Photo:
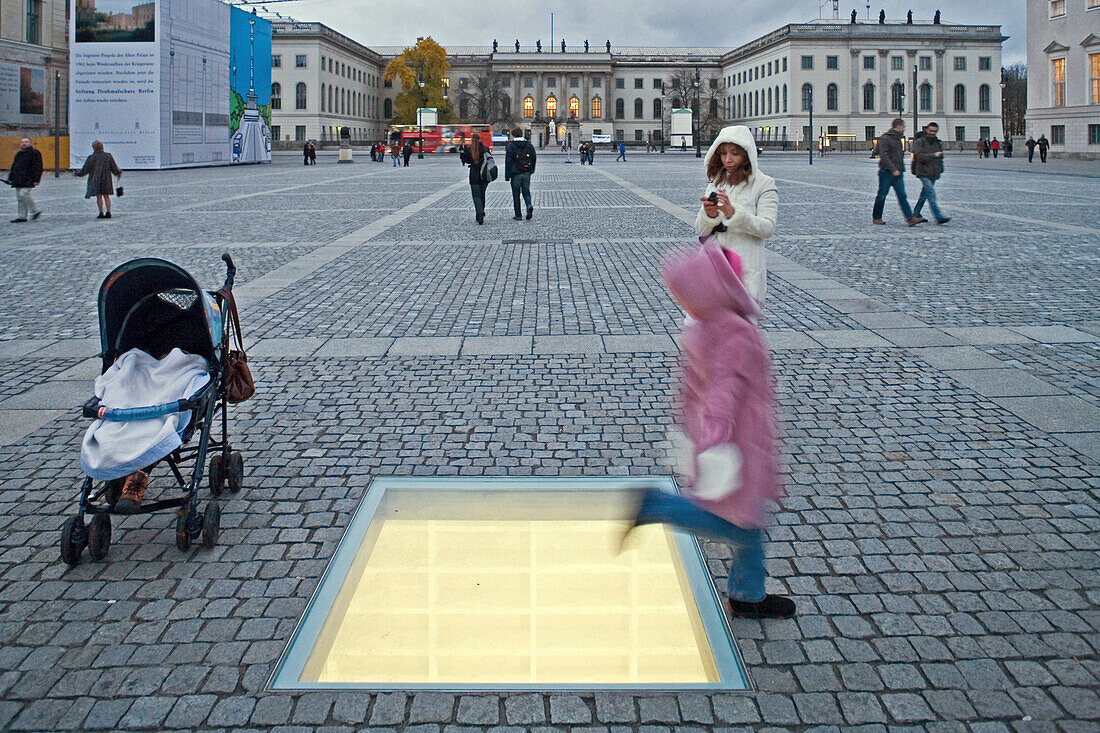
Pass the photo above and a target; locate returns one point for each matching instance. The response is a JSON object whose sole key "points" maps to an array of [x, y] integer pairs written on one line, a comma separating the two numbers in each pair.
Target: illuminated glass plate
{"points": [[501, 583]]}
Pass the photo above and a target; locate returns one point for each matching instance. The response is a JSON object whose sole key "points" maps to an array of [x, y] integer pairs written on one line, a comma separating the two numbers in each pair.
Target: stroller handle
{"points": [[230, 270]]}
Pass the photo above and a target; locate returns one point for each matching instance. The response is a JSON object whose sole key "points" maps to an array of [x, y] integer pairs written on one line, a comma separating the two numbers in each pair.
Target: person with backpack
{"points": [[483, 170], [1043, 145], [928, 167], [519, 164]]}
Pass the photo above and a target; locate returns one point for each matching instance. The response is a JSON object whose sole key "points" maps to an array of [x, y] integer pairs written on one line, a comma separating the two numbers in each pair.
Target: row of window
{"points": [[334, 100], [1058, 80], [766, 102], [1058, 7], [333, 66]]}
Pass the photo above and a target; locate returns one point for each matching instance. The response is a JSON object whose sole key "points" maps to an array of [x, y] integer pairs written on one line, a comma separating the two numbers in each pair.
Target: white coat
{"points": [[755, 207]]}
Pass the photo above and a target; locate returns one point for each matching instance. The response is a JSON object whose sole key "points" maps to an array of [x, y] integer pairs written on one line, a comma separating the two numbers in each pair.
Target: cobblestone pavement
{"points": [[939, 392]]}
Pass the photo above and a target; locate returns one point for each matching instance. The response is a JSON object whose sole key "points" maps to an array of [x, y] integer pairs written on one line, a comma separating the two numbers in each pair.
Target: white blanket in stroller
{"points": [[115, 449]]}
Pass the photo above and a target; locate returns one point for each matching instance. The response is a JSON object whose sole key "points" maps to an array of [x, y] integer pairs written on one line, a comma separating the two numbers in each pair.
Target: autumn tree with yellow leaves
{"points": [[426, 60]]}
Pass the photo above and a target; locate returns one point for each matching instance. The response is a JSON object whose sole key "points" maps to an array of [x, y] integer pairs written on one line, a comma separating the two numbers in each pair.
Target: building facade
{"points": [[1063, 75], [34, 63], [856, 77]]}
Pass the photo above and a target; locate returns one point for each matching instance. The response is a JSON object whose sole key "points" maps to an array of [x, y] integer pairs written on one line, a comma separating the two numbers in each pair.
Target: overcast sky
{"points": [[625, 22]]}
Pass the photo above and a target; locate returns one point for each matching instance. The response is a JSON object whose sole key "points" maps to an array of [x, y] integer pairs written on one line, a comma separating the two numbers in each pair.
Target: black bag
{"points": [[524, 162]]}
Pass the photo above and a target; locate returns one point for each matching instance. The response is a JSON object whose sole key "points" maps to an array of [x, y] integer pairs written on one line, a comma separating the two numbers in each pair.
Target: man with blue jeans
{"points": [[928, 167], [519, 164], [890, 166]]}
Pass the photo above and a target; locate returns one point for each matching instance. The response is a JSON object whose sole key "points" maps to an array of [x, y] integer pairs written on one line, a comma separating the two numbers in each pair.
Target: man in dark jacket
{"points": [[1043, 145], [890, 166], [928, 167], [26, 173], [519, 164], [406, 153], [1030, 145]]}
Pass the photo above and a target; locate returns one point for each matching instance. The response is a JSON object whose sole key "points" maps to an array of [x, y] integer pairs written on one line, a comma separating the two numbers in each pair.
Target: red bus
{"points": [[440, 138]]}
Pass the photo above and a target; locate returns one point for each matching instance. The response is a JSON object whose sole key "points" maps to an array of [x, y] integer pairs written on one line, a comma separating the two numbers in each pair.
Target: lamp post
{"points": [[697, 128], [420, 111], [1003, 85], [810, 130], [662, 116], [916, 99], [56, 124]]}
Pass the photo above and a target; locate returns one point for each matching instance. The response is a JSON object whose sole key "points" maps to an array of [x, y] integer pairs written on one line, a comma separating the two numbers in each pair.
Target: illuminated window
{"points": [[551, 106], [574, 107], [528, 107], [1058, 76], [1094, 74], [597, 107], [1057, 8]]}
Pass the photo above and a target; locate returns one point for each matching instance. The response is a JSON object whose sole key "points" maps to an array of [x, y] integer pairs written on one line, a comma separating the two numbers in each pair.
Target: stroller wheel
{"points": [[235, 472], [73, 539], [211, 524], [99, 536], [183, 536], [113, 491], [216, 475]]}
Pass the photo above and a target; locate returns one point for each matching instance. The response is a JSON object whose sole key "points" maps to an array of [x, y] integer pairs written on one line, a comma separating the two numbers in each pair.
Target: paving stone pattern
{"points": [[941, 546]]}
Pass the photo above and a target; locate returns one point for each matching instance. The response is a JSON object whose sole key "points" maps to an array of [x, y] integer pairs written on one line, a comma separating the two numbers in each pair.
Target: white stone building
{"points": [[1063, 75]]}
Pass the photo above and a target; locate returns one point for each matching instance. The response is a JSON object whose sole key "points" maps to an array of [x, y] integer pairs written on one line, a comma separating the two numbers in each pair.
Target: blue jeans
{"points": [[927, 193], [622, 156], [746, 579], [886, 181], [521, 184]]}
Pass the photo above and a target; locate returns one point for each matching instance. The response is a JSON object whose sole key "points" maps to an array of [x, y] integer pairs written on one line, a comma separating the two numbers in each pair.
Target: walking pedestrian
{"points": [[312, 153], [473, 156], [591, 152], [985, 148], [981, 148], [889, 173], [1043, 145], [406, 152], [928, 167], [582, 149], [25, 174], [740, 204], [305, 153], [622, 153], [1030, 145], [995, 146], [395, 153], [728, 416], [100, 166], [1008, 146], [519, 164]]}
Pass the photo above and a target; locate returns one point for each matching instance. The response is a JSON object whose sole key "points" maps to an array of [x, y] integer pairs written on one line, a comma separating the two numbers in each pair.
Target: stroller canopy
{"points": [[154, 305]]}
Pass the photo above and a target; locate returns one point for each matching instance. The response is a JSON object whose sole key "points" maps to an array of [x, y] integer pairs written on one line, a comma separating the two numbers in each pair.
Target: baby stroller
{"points": [[152, 312]]}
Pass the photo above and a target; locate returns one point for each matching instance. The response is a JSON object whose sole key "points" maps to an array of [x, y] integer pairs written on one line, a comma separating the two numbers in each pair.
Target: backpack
{"points": [[488, 168], [522, 159]]}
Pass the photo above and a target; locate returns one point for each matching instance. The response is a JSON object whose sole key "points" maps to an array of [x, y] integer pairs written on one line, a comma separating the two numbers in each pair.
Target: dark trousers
{"points": [[1042, 155], [886, 181], [521, 184], [1030, 154], [477, 190], [407, 156]]}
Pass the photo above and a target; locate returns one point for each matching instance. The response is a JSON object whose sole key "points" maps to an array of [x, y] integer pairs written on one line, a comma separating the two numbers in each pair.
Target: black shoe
{"points": [[35, 215], [20, 221], [101, 215], [480, 218], [944, 220], [530, 213], [107, 215], [770, 607], [517, 218]]}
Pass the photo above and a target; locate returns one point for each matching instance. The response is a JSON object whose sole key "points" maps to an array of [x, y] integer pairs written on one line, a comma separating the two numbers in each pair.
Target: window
{"points": [[1093, 5], [620, 109], [960, 98], [387, 84], [832, 62], [528, 107], [597, 107], [713, 83], [1057, 134], [638, 83], [574, 107], [960, 63], [463, 82], [985, 63], [299, 132], [868, 97], [784, 97], [807, 133], [832, 94], [639, 135], [925, 97], [769, 101], [597, 82], [983, 98], [807, 62], [897, 63], [1094, 130], [807, 97], [34, 21], [506, 81], [925, 63], [784, 63], [276, 96], [657, 110], [620, 83], [276, 61], [960, 134], [1094, 74], [1058, 77], [656, 83], [832, 129], [769, 68], [868, 132], [551, 82], [300, 61], [387, 108], [897, 95], [1057, 8], [276, 132], [869, 63], [574, 82], [619, 135], [528, 82], [300, 96]]}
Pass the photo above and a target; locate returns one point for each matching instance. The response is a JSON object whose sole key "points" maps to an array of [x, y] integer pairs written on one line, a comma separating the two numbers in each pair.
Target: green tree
{"points": [[427, 60]]}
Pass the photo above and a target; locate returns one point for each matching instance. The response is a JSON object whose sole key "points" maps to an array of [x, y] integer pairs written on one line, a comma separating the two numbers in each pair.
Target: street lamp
{"points": [[809, 99], [697, 128], [420, 112], [916, 99], [662, 116]]}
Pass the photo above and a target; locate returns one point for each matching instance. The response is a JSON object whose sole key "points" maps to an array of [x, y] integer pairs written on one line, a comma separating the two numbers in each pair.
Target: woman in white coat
{"points": [[746, 204]]}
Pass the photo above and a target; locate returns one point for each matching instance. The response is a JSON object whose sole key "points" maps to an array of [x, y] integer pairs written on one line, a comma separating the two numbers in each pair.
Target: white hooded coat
{"points": [[755, 207]]}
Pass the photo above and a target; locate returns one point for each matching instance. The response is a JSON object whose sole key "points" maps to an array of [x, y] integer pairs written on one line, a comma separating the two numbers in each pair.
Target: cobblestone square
{"points": [[939, 392]]}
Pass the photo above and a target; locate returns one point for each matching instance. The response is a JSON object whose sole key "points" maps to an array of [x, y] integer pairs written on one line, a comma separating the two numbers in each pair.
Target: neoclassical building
{"points": [[855, 76]]}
